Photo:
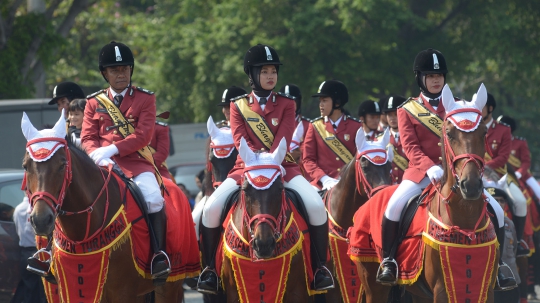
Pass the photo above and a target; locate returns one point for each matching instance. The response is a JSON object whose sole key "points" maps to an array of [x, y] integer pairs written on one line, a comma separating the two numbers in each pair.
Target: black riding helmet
{"points": [[491, 102], [369, 107], [67, 89], [255, 58], [293, 91], [392, 103], [335, 90], [115, 54], [230, 93], [497, 192], [429, 61], [508, 120]]}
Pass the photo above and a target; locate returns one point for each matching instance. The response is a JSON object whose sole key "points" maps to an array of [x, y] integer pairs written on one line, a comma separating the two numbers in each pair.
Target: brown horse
{"points": [[69, 192], [259, 226], [360, 179], [457, 202]]}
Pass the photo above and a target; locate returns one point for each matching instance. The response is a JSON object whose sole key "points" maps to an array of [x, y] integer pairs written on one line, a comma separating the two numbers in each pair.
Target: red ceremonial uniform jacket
{"points": [[420, 144], [397, 173], [305, 123], [280, 117], [318, 159], [520, 149], [161, 143], [138, 105], [499, 143]]}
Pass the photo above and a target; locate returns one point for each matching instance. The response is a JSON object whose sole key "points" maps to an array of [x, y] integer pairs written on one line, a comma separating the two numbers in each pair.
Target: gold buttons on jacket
{"points": [[115, 132], [101, 118], [131, 116], [339, 169], [440, 144], [440, 158], [337, 158], [395, 168]]}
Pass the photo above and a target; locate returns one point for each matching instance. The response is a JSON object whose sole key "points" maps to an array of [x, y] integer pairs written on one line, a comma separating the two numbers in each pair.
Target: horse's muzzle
{"points": [[43, 222], [264, 248], [471, 189]]}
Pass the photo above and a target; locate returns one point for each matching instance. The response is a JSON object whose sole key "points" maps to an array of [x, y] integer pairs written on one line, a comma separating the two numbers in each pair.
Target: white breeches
{"points": [[533, 184], [150, 190], [520, 202], [197, 213], [408, 189], [312, 201]]}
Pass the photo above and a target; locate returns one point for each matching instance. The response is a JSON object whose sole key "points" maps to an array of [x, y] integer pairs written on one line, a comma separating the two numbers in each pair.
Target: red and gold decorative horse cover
{"points": [[265, 280], [81, 268], [467, 263]]}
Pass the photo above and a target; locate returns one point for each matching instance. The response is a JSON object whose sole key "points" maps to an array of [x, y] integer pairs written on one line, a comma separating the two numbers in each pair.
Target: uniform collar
{"points": [[326, 119], [113, 93], [488, 125]]}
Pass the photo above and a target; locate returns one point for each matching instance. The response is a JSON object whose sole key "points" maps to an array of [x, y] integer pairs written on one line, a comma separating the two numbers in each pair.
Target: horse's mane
{"points": [[80, 152], [345, 169], [207, 187]]}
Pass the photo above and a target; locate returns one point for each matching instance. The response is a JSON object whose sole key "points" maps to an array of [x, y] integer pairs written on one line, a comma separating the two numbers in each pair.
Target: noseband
{"points": [[361, 180], [218, 148]]}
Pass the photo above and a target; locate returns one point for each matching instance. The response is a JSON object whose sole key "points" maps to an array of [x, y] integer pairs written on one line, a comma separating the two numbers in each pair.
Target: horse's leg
{"points": [[523, 269], [229, 283], [374, 292], [296, 288], [334, 294], [170, 292]]}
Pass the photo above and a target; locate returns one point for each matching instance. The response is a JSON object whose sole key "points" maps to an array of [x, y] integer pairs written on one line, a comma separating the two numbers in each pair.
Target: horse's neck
{"points": [[459, 212], [345, 198], [80, 194]]}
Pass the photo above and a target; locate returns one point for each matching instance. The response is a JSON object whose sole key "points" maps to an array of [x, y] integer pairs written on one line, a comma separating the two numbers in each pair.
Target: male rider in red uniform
{"points": [[161, 144], [106, 145], [322, 163]]}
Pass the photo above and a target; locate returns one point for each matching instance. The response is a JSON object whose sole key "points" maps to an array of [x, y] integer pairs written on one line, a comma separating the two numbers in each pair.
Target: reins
{"points": [[360, 177], [214, 147], [56, 203]]}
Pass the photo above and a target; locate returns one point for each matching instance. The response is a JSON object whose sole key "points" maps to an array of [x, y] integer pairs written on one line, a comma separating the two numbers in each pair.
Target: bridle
{"points": [[215, 147], [276, 224], [55, 203], [451, 160], [361, 180]]}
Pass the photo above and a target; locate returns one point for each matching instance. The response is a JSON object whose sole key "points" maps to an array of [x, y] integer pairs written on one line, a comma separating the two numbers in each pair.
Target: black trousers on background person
{"points": [[509, 296], [30, 288]]}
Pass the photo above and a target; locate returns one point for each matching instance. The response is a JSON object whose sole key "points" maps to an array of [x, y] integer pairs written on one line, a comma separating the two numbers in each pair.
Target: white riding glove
{"points": [[103, 153], [328, 182], [106, 162], [518, 175], [435, 173]]}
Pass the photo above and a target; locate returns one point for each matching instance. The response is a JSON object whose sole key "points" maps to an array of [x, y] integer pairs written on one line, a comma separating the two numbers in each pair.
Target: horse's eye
{"points": [[62, 166], [24, 167]]}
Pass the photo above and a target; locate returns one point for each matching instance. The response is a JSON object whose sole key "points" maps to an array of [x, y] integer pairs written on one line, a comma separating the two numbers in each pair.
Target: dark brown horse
{"points": [[70, 192], [260, 219], [360, 179], [457, 202]]}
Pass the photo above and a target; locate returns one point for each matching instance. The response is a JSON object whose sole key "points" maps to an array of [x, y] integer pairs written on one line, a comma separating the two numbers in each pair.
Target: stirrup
{"points": [[385, 261], [323, 268], [525, 247], [498, 286], [38, 271], [206, 291], [166, 271]]}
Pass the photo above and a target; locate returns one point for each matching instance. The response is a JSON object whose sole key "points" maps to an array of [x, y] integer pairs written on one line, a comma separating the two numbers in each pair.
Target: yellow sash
{"points": [[425, 117], [258, 125], [514, 161], [332, 141], [127, 129], [501, 170], [399, 160]]}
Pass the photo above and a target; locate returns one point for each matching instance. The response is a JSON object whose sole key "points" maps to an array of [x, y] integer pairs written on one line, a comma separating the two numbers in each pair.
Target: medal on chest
{"points": [[347, 137], [494, 144]]}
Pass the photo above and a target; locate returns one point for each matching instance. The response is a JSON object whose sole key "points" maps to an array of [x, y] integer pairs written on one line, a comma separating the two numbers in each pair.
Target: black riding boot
{"points": [[519, 223], [160, 266], [388, 270], [208, 280], [322, 278], [505, 277]]}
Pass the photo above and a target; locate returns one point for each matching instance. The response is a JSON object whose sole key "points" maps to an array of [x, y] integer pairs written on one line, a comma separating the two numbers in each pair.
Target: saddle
{"points": [[407, 216]]}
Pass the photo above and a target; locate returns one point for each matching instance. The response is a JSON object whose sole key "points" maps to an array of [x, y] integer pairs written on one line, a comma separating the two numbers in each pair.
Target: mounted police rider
{"points": [[261, 64]]}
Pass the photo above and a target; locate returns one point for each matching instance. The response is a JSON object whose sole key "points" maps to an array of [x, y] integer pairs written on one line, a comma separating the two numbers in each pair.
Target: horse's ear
{"points": [[213, 130], [245, 152], [360, 139], [447, 98], [279, 154], [60, 126], [385, 139], [29, 131], [480, 98]]}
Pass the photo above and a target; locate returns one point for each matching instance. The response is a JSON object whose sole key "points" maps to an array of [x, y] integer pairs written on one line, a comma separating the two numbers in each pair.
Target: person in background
{"points": [[400, 162], [188, 195], [509, 251], [160, 146], [383, 123], [199, 181], [30, 288], [76, 115], [64, 93], [6, 212], [369, 114], [229, 94]]}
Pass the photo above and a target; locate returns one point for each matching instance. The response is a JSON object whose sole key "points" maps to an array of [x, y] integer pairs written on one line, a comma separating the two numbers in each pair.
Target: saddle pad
{"points": [[365, 241]]}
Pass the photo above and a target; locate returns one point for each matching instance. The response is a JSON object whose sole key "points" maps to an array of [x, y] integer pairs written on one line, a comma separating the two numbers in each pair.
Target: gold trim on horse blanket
{"points": [[332, 141], [259, 126]]}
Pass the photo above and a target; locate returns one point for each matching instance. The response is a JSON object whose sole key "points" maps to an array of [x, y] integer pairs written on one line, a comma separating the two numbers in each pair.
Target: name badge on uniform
{"points": [[253, 119], [101, 110], [423, 114], [330, 138]]}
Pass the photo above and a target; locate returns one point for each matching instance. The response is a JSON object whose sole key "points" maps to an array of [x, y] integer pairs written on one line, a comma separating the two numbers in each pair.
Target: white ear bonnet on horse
{"points": [[466, 116], [43, 151], [375, 151], [221, 139], [262, 178]]}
